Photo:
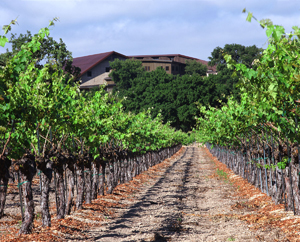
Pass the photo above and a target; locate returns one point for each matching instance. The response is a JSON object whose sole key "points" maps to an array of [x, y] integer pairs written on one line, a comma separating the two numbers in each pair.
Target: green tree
{"points": [[225, 86], [193, 66], [226, 79], [124, 72], [49, 51], [241, 54], [175, 97]]}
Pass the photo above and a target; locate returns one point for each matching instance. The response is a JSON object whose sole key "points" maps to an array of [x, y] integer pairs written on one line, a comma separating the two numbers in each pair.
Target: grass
{"points": [[38, 216], [222, 174], [231, 239]]}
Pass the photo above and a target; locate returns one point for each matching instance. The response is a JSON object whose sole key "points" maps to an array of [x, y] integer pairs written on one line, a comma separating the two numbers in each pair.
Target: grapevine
{"points": [[262, 127], [49, 128]]}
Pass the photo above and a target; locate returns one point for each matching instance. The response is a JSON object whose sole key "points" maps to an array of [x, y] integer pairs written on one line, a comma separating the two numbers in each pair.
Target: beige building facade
{"points": [[171, 63]]}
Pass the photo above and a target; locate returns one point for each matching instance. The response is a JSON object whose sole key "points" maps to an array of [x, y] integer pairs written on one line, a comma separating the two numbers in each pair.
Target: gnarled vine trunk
{"points": [[95, 175], [101, 177], [80, 183], [4, 176], [70, 190], [58, 167], [87, 183], [45, 167], [27, 169], [109, 178], [61, 194]]}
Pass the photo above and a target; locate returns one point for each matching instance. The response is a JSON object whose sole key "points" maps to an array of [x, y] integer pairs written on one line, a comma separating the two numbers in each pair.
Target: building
{"points": [[172, 63], [95, 69]]}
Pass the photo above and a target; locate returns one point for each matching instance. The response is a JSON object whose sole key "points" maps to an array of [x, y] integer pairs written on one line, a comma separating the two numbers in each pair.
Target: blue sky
{"points": [[136, 27]]}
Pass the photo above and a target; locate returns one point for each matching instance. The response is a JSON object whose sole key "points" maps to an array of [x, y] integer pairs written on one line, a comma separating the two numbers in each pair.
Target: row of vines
{"points": [[48, 128], [258, 135]]}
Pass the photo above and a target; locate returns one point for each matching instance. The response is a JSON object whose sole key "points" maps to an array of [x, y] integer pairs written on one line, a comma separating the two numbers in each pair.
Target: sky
{"points": [[149, 27]]}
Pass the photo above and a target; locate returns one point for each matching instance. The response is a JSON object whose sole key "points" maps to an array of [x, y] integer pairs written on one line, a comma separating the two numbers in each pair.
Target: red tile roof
{"points": [[85, 63], [168, 55]]}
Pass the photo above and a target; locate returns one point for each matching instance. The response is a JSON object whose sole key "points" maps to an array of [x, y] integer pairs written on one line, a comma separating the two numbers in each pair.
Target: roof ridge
{"points": [[109, 52]]}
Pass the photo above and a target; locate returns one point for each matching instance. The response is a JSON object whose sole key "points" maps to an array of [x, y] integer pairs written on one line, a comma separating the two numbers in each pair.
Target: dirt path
{"points": [[180, 199], [184, 204]]}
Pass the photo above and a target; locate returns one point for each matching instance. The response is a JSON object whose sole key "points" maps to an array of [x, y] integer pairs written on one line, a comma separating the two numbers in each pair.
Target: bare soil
{"points": [[181, 199], [184, 204]]}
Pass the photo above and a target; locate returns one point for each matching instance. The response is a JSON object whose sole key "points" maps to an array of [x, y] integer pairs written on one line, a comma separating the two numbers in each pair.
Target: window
{"points": [[167, 68], [172, 68], [89, 73], [107, 69], [176, 68]]}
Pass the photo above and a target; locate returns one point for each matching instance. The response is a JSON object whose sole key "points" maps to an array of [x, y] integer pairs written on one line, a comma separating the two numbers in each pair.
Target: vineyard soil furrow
{"points": [[185, 203], [188, 197]]}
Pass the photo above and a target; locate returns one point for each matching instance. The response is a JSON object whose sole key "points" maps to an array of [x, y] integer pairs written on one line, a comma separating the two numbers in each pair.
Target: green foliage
{"points": [[47, 51], [175, 97], [239, 53], [226, 79], [222, 174], [124, 73], [42, 97], [268, 94], [195, 67], [283, 163]]}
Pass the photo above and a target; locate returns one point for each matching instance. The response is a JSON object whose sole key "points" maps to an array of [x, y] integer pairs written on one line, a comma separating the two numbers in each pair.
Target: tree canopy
{"points": [[226, 79], [175, 97], [193, 66], [241, 54], [49, 51], [124, 73]]}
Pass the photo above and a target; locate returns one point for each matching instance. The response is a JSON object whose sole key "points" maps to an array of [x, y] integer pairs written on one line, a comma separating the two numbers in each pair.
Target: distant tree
{"points": [[124, 72], [195, 67], [148, 91], [225, 81], [50, 51], [175, 97], [224, 84], [239, 53]]}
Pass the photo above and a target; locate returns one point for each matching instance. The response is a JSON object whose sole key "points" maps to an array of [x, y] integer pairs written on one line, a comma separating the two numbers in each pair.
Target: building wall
{"points": [[100, 68], [178, 63], [170, 67], [151, 66], [172, 64]]}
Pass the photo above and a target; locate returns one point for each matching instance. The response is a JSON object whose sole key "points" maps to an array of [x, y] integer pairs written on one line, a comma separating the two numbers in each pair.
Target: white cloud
{"points": [[189, 27]]}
